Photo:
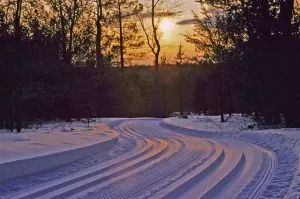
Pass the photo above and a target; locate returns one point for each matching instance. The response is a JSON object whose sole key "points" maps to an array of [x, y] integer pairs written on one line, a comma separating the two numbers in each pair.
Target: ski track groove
{"points": [[181, 153], [105, 188], [173, 162], [144, 150], [163, 147], [147, 183], [282, 180], [160, 173], [265, 177], [101, 170], [31, 183]]}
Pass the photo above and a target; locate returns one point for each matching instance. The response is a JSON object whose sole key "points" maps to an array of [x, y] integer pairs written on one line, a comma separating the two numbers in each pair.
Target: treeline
{"points": [[55, 57], [65, 59]]}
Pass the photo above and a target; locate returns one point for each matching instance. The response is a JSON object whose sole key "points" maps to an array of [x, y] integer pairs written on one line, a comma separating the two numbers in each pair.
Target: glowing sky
{"points": [[173, 32]]}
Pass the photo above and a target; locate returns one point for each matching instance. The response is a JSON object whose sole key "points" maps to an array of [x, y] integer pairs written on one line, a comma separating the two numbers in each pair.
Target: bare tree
{"points": [[69, 14], [156, 11], [128, 36]]}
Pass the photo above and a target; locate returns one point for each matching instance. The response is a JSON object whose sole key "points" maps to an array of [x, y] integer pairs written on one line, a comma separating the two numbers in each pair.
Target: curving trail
{"points": [[169, 164]]}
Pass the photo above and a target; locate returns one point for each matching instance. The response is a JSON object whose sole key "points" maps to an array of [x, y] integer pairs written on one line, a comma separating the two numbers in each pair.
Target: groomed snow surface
{"points": [[171, 158], [50, 146]]}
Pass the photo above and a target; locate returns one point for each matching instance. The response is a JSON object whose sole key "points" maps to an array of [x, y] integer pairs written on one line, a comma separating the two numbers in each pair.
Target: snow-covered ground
{"points": [[283, 143], [171, 158], [235, 123], [213, 123], [50, 138], [35, 149], [287, 132]]}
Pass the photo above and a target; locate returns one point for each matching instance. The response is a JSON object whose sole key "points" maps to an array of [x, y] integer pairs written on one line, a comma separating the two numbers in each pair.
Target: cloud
{"points": [[163, 14], [186, 22]]}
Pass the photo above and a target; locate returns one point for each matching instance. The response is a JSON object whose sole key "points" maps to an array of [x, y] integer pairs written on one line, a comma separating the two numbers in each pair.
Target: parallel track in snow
{"points": [[149, 179], [168, 164]]}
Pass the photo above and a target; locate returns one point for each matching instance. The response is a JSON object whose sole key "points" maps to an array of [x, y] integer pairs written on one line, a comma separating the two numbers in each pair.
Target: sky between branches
{"points": [[174, 36]]}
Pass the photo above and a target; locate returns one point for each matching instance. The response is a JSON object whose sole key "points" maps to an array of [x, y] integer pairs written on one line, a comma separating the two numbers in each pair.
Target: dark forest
{"points": [[70, 59]]}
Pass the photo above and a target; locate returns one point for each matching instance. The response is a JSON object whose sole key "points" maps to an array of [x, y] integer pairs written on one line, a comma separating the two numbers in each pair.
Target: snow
{"points": [[234, 123], [282, 155], [293, 133], [213, 123], [14, 187], [199, 157], [51, 145]]}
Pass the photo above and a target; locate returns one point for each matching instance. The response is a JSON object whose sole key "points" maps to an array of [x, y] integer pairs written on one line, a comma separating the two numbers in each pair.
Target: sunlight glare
{"points": [[166, 25]]}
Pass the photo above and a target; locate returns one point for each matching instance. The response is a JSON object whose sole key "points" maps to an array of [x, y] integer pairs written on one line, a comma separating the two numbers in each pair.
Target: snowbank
{"points": [[236, 123], [49, 147], [213, 123], [293, 133], [286, 179]]}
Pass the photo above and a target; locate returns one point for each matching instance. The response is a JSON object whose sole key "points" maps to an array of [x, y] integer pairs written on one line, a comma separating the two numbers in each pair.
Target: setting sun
{"points": [[166, 25]]}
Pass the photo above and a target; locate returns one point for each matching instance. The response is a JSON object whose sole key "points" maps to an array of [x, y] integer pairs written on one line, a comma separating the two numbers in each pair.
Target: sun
{"points": [[166, 25]]}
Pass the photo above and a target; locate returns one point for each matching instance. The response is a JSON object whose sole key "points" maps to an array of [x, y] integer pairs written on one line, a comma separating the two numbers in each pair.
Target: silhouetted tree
{"points": [[210, 37], [128, 36], [261, 38], [180, 58]]}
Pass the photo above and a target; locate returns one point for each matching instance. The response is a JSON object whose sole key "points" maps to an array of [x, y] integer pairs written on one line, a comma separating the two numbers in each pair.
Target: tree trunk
{"points": [[155, 101], [7, 125], [18, 121], [99, 56], [181, 105], [180, 90], [166, 101], [11, 123], [286, 16], [98, 44], [63, 34], [121, 35], [18, 68], [222, 117], [73, 21], [230, 103], [155, 36], [156, 62], [222, 102]]}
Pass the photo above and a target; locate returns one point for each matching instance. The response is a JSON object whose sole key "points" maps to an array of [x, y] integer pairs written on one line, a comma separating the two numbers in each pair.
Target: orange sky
{"points": [[174, 36]]}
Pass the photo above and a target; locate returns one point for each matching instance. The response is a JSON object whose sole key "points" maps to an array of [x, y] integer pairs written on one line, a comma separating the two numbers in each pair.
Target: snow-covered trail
{"points": [[168, 163]]}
